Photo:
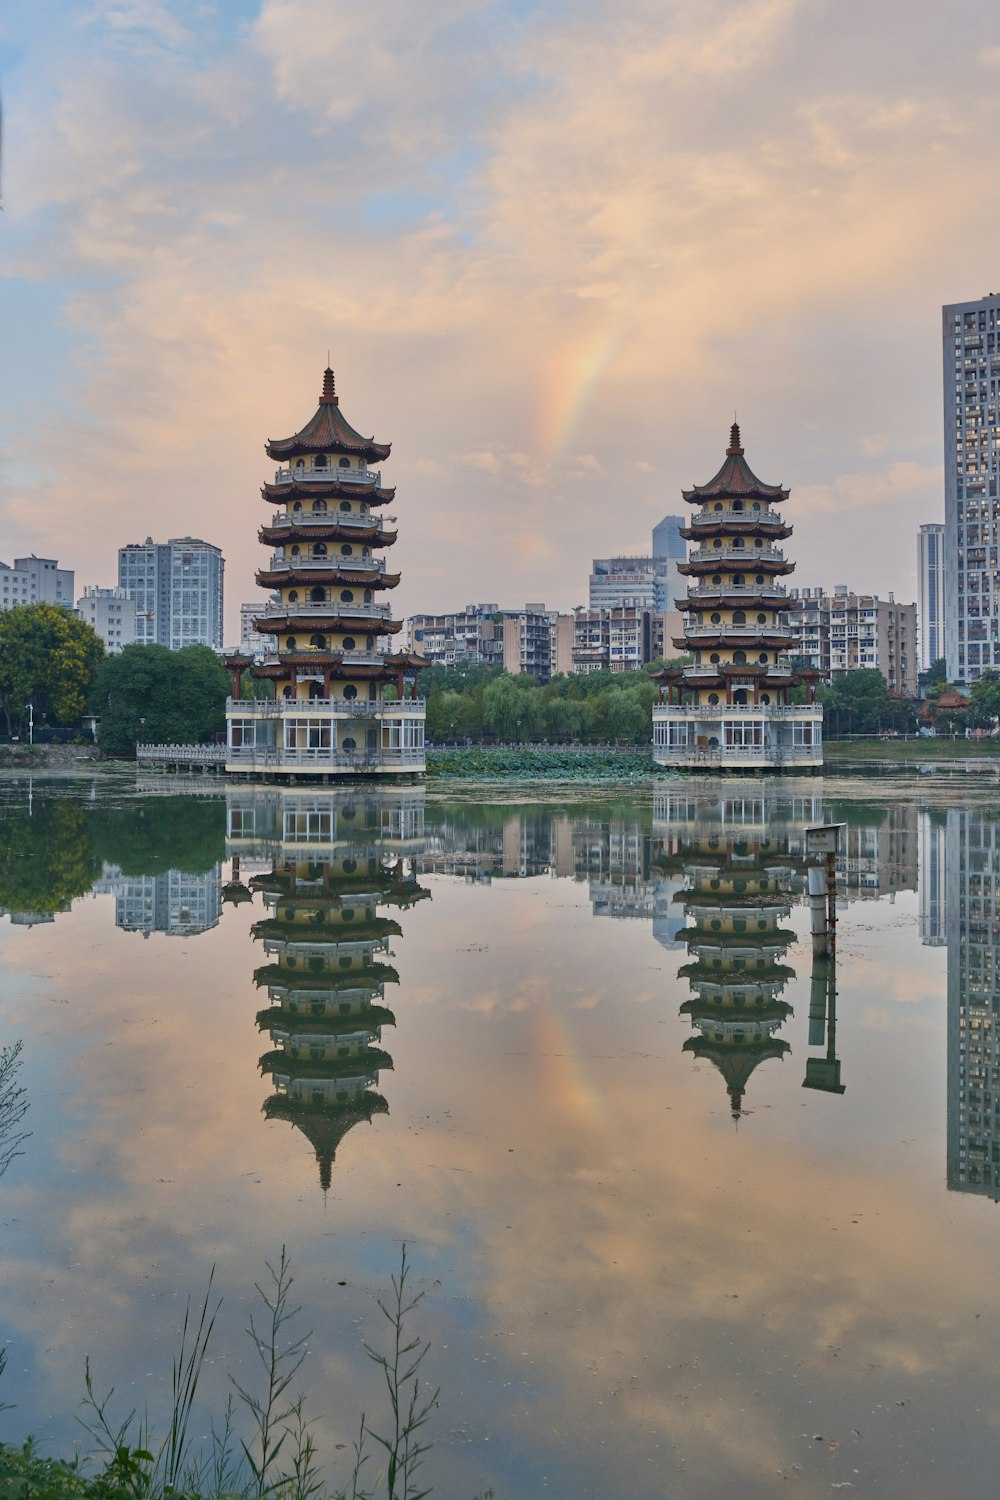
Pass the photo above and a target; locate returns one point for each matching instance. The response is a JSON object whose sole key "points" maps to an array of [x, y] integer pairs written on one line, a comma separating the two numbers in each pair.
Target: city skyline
{"points": [[549, 251]]}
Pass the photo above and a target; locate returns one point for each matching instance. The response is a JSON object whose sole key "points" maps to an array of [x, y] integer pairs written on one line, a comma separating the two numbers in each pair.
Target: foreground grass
{"points": [[911, 752], [276, 1456]]}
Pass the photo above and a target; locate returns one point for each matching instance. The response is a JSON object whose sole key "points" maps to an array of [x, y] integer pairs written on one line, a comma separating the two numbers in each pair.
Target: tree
{"points": [[860, 703], [937, 672], [48, 658], [156, 696], [985, 695], [625, 714]]}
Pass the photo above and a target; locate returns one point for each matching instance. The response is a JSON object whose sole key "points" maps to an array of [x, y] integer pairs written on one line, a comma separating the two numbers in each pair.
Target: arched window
{"points": [[737, 543], [366, 552], [345, 463], [714, 658], [295, 551], [286, 692], [737, 580], [315, 690], [737, 505], [740, 658], [317, 595], [297, 506], [716, 577], [369, 643], [368, 596], [350, 691], [319, 462], [319, 641], [717, 542], [713, 699], [293, 594], [349, 643], [319, 506], [300, 463], [346, 550], [718, 505], [760, 578], [345, 504], [739, 618], [319, 549], [763, 657], [765, 698], [372, 690], [740, 696], [758, 541], [346, 595], [716, 618], [762, 619], [290, 644], [755, 506]]}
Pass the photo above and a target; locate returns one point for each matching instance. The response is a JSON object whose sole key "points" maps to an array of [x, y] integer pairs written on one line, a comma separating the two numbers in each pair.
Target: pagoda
{"points": [[335, 865], [729, 708], [741, 881], [343, 701]]}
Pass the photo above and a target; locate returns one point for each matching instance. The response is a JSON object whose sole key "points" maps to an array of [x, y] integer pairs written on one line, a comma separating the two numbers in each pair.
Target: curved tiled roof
{"points": [[735, 479], [328, 431]]}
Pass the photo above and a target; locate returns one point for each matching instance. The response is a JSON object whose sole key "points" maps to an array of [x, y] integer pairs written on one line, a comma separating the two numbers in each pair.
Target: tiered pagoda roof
{"points": [[329, 428], [735, 480]]}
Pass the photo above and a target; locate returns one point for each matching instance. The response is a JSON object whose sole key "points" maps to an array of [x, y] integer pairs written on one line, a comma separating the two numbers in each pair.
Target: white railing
{"points": [[183, 755], [332, 561], [358, 708], [259, 758], [718, 711], [775, 754], [728, 627], [333, 475], [747, 557], [326, 611], [721, 518], [730, 669], [332, 518], [745, 591]]}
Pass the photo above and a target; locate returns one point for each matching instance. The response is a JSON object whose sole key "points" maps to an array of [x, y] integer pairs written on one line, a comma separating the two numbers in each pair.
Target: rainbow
{"points": [[571, 380]]}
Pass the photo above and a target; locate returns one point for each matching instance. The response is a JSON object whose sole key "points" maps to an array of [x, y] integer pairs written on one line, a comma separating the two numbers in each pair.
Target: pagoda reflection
{"points": [[334, 862], [741, 866]]}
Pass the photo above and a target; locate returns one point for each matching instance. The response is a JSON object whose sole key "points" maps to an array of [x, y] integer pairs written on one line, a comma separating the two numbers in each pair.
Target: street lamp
{"points": [[31, 722]]}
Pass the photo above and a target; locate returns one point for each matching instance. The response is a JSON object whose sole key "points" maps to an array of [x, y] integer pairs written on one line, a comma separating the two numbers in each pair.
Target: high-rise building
{"points": [[35, 580], [930, 594], [729, 708], [652, 582], [340, 704], [971, 348], [473, 635], [177, 588], [846, 632], [252, 642], [111, 614]]}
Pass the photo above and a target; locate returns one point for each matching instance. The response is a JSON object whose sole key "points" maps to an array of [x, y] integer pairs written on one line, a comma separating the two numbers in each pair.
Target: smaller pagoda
{"points": [[341, 700], [729, 708]]}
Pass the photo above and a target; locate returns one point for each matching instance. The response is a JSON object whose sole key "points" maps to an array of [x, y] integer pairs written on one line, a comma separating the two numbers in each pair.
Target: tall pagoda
{"points": [[729, 708], [343, 700]]}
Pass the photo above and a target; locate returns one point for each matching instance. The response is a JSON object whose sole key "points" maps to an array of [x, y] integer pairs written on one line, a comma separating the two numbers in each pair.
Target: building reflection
{"points": [[175, 902], [336, 862], [965, 865]]}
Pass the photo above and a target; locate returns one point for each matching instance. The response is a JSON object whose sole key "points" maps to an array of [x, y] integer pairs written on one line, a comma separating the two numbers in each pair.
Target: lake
{"points": [[690, 1213]]}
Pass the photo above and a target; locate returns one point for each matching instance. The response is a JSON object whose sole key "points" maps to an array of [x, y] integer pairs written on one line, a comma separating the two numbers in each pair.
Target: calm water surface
{"points": [[678, 1235]]}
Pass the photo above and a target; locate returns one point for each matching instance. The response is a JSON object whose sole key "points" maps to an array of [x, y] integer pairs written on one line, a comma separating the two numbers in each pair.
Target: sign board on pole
{"points": [[824, 838]]}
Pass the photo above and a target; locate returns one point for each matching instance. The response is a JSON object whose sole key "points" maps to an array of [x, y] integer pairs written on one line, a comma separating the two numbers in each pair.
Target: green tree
{"points": [[156, 696], [48, 859], [985, 696], [48, 658], [860, 703], [937, 671]]}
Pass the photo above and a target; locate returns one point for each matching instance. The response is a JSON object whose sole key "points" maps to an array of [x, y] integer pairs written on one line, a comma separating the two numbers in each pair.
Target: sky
{"points": [[550, 247]]}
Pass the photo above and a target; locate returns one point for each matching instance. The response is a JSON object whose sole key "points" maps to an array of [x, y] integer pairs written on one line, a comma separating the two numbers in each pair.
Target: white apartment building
{"points": [[111, 614], [971, 351], [178, 591], [845, 632], [473, 634], [930, 594], [35, 580], [252, 642]]}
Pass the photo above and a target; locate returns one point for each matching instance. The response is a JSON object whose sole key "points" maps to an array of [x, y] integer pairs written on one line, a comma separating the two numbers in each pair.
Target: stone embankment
{"points": [[46, 757]]}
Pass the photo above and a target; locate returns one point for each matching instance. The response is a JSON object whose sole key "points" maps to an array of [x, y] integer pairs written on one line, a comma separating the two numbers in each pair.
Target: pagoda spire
{"points": [[734, 439], [329, 396]]}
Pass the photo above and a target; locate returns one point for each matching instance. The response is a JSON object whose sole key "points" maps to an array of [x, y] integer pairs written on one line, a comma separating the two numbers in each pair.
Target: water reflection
{"points": [[337, 859]]}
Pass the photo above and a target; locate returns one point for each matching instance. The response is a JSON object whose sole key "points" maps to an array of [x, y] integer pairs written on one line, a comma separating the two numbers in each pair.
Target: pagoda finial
{"points": [[734, 439], [329, 396]]}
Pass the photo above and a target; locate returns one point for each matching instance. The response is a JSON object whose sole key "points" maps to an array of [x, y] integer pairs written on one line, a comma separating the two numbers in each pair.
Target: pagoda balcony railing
{"points": [[328, 476], [356, 708], [806, 755], [333, 562], [803, 711], [745, 591], [710, 632], [325, 610], [708, 669], [332, 518], [719, 518], [257, 758], [746, 556]]}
